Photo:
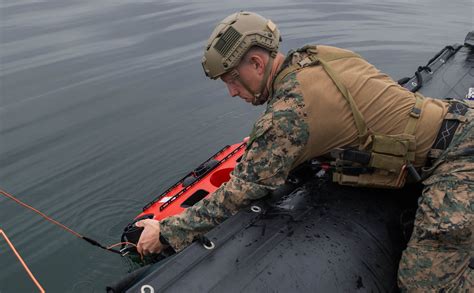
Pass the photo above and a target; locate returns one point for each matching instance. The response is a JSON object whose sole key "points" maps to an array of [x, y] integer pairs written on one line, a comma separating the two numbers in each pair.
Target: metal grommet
{"points": [[293, 180], [150, 288], [256, 209], [414, 83], [209, 246]]}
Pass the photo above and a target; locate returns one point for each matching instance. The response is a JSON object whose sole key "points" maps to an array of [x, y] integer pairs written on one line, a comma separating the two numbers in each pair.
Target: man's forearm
{"points": [[180, 230]]}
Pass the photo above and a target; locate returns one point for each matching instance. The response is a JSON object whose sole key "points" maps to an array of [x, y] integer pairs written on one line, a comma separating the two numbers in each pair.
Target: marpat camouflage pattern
{"points": [[441, 248], [276, 140]]}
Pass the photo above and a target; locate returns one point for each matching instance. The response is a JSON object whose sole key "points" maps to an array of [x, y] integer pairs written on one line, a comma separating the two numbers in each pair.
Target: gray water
{"points": [[104, 105]]}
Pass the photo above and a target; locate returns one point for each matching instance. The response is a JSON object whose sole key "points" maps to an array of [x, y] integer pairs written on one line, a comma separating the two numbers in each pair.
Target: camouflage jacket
{"points": [[277, 139]]}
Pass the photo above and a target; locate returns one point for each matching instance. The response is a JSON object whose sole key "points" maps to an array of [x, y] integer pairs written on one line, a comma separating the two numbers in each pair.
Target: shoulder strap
{"points": [[312, 59], [358, 118], [316, 57], [414, 115]]}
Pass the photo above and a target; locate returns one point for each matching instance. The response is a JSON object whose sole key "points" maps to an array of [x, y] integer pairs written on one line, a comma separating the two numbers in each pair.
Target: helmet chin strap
{"points": [[257, 97]]}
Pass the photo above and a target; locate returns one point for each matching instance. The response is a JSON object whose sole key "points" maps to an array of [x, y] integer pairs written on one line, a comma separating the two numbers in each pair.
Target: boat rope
{"points": [[20, 259], [87, 239]]}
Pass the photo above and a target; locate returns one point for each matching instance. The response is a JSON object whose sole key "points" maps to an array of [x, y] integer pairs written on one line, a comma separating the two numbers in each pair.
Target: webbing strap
{"points": [[358, 118], [285, 72], [414, 115], [315, 57]]}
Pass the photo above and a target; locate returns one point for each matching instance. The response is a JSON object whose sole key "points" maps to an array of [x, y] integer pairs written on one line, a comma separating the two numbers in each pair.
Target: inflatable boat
{"points": [[308, 236]]}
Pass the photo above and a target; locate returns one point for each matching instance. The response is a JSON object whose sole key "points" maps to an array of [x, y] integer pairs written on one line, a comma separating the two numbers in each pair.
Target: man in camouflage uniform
{"points": [[324, 98]]}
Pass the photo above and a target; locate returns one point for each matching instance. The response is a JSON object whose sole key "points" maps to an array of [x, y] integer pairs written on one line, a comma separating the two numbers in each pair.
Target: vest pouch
{"points": [[389, 163], [377, 179], [389, 155], [392, 152], [397, 145]]}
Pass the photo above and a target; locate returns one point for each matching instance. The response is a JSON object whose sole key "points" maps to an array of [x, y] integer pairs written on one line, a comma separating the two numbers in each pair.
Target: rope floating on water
{"points": [[87, 239], [20, 259], [39, 213]]}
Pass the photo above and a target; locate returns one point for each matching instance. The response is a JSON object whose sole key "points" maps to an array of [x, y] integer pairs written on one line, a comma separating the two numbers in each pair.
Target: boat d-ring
{"points": [[256, 209], [145, 287], [209, 245]]}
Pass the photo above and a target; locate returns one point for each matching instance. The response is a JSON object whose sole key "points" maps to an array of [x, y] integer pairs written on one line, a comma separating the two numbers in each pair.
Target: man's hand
{"points": [[149, 242]]}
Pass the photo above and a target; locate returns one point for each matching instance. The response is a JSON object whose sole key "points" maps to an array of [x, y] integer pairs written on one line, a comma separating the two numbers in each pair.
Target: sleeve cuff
{"points": [[168, 236]]}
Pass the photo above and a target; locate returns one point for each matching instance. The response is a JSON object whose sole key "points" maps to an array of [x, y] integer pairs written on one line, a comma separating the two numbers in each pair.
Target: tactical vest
{"points": [[380, 160]]}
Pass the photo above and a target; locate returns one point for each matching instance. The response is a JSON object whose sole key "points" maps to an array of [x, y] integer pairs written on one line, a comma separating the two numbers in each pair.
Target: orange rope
{"points": [[120, 243], [57, 223], [39, 213], [22, 261]]}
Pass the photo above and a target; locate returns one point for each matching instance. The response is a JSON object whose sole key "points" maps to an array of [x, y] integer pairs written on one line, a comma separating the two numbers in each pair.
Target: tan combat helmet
{"points": [[232, 38]]}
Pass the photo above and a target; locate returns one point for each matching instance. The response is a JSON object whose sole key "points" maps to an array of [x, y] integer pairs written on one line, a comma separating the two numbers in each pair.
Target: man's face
{"points": [[249, 75]]}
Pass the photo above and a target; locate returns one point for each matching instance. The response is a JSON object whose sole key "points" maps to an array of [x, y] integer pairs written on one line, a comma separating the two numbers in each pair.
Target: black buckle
{"points": [[415, 112]]}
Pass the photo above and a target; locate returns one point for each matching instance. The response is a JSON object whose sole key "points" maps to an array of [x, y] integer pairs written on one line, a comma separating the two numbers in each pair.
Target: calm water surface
{"points": [[104, 105]]}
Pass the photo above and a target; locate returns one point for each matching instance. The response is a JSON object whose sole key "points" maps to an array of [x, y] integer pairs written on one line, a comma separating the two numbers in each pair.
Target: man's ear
{"points": [[258, 63]]}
